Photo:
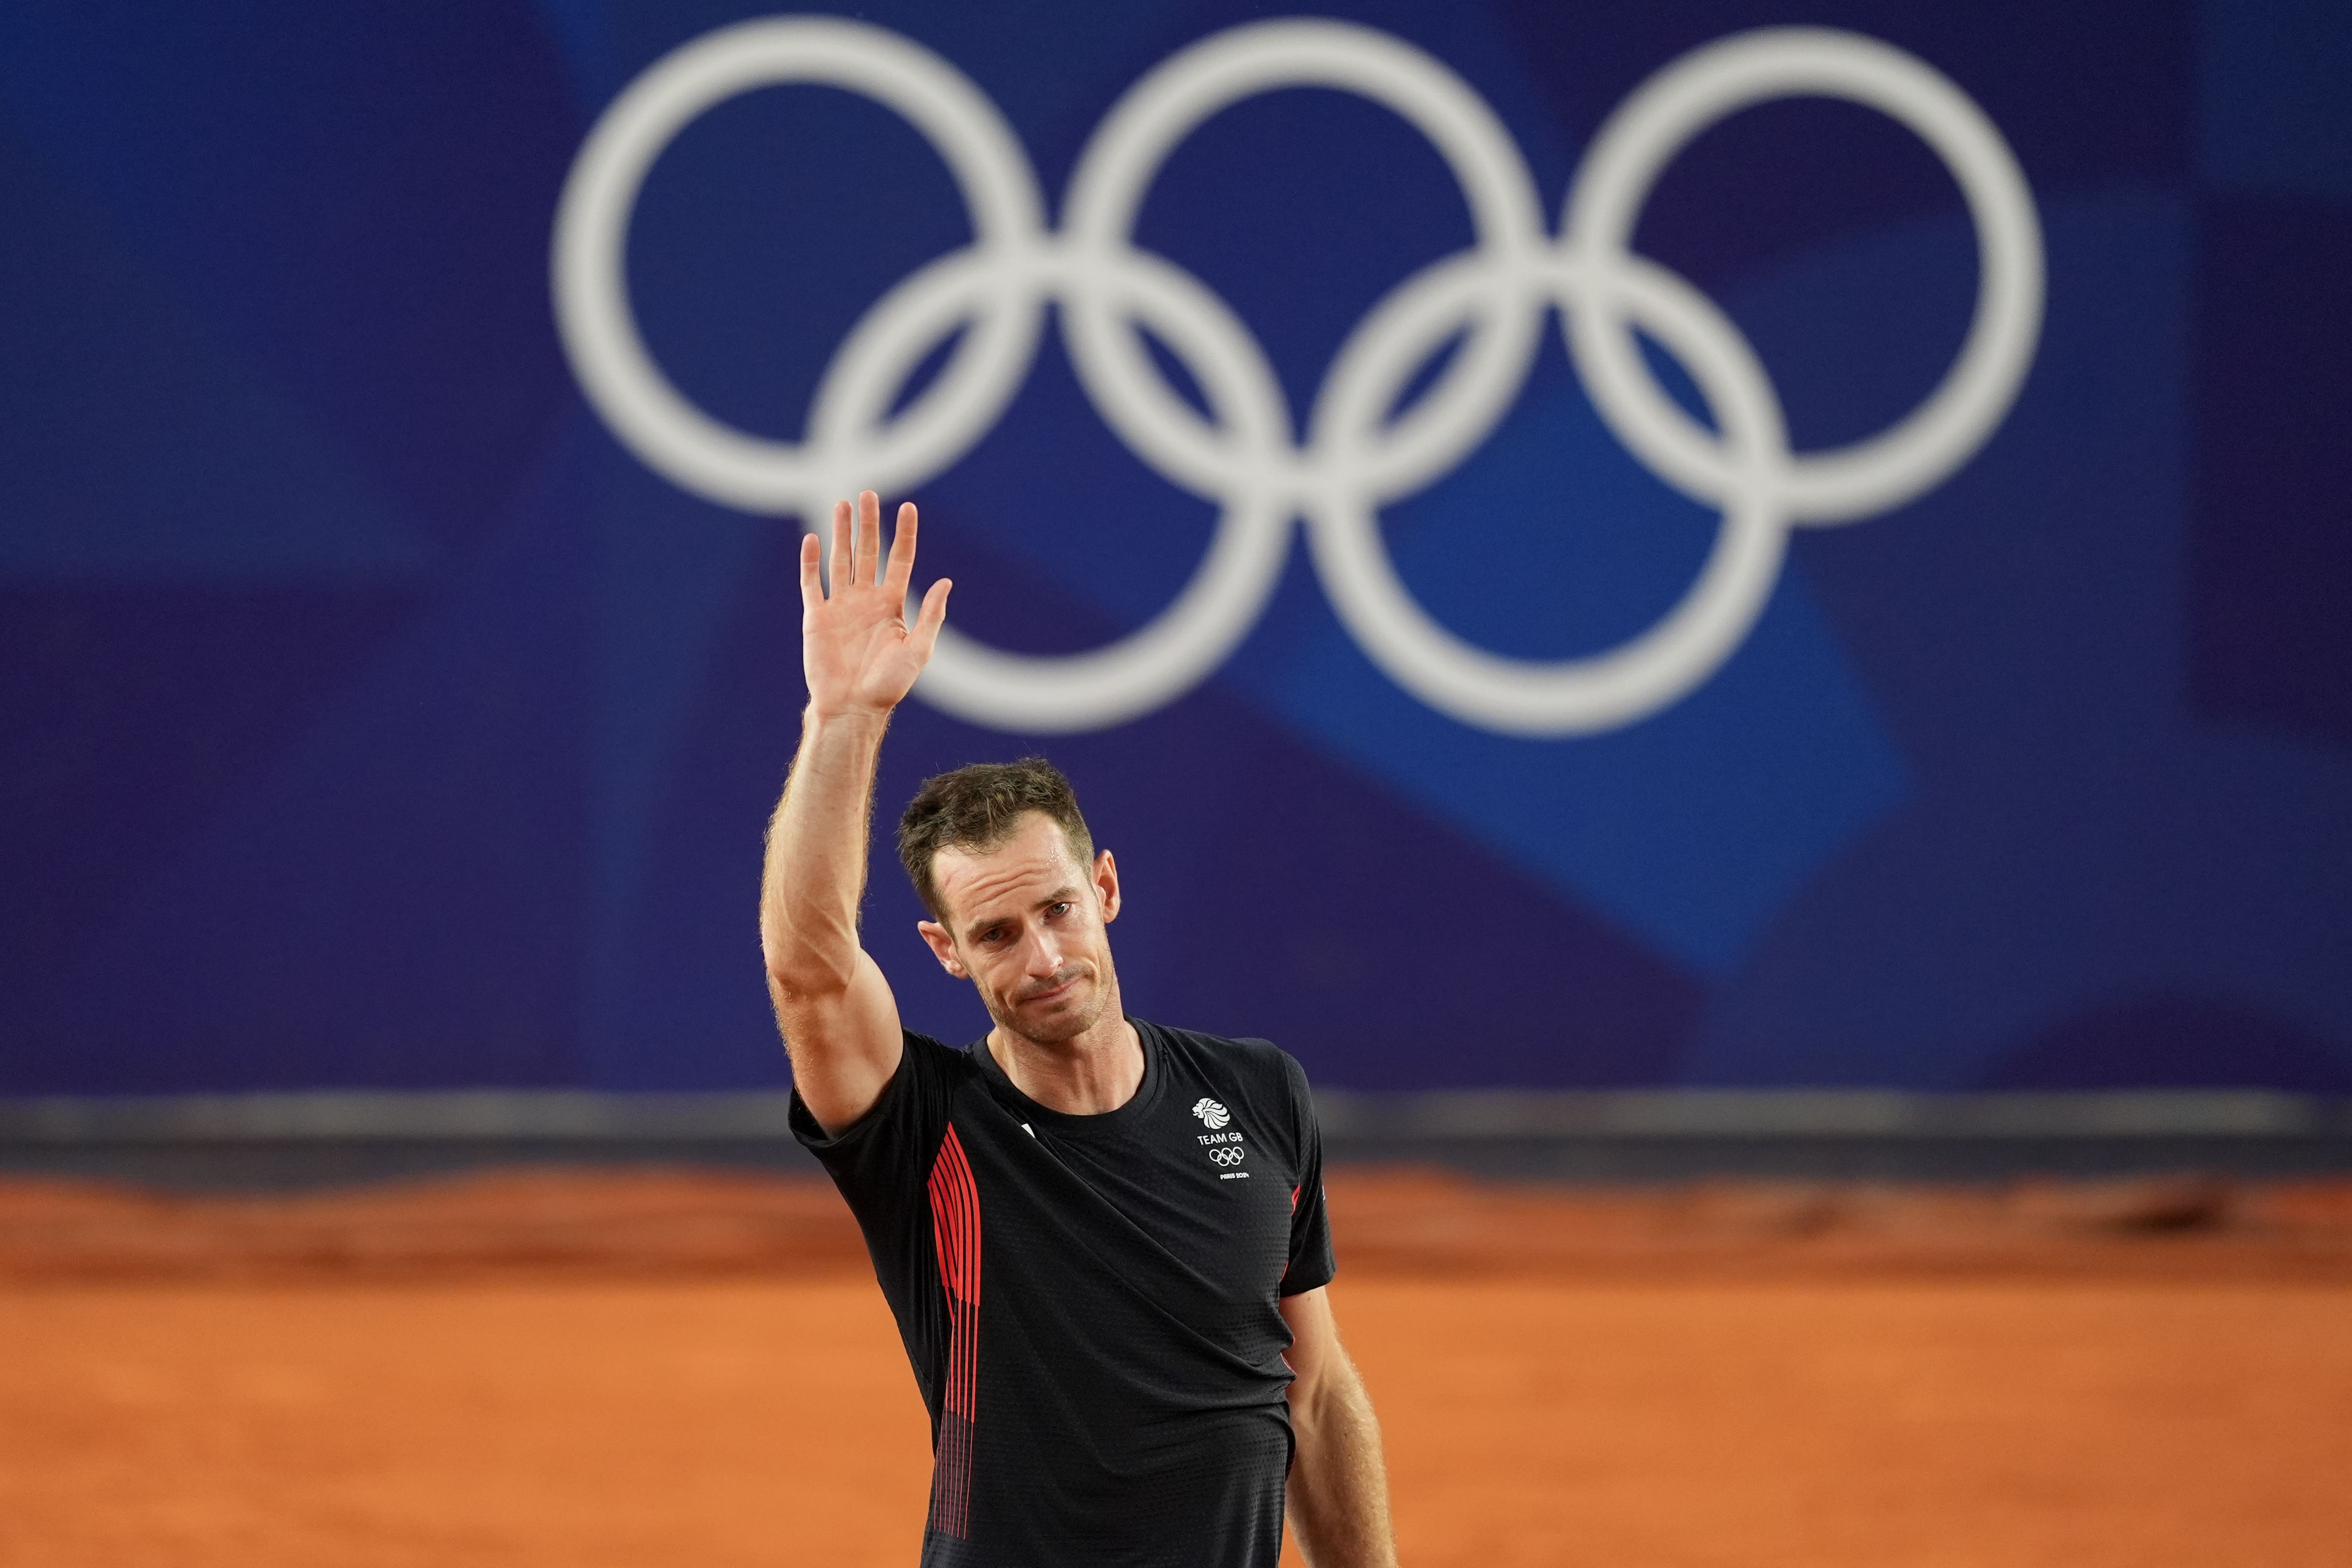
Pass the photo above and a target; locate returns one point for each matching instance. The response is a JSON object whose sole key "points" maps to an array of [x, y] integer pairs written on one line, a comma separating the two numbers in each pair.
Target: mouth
{"points": [[1053, 993]]}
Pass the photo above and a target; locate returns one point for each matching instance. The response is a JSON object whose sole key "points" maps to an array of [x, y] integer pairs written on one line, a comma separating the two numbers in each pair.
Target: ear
{"points": [[1106, 886], [942, 948]]}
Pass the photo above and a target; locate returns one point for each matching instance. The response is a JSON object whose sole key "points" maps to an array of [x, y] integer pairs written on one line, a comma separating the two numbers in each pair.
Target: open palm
{"points": [[856, 648]]}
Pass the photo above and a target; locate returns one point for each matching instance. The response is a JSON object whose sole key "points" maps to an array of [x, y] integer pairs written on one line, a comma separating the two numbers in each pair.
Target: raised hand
{"points": [[856, 648]]}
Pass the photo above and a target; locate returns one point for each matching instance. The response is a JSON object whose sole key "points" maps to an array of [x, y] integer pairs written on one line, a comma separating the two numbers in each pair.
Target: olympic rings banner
{"points": [[1409, 464], [1356, 458]]}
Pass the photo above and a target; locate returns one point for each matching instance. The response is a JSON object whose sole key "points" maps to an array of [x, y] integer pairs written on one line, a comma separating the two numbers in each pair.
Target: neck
{"points": [[1085, 1075]]}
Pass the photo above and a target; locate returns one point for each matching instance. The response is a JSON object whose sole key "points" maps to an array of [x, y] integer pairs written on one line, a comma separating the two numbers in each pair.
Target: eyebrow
{"points": [[1061, 895]]}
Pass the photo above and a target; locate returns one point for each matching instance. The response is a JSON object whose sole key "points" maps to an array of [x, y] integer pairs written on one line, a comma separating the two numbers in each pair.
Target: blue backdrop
{"points": [[370, 715]]}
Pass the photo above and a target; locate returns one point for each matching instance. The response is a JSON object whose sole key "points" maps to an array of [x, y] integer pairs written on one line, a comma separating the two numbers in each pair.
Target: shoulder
{"points": [[923, 1060], [935, 1055], [917, 1093], [1253, 1067], [943, 1068]]}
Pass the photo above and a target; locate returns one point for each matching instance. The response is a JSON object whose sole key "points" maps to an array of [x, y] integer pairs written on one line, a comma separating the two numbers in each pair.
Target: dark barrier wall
{"points": [[378, 706]]}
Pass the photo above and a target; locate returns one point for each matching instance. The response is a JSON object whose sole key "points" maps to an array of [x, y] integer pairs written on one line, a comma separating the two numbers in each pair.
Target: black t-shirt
{"points": [[1091, 1302]]}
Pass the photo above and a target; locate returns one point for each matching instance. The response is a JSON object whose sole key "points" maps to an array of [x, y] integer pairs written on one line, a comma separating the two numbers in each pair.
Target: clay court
{"points": [[648, 1370]]}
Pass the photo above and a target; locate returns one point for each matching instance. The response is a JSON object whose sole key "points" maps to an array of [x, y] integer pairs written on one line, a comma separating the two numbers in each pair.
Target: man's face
{"points": [[1024, 922]]}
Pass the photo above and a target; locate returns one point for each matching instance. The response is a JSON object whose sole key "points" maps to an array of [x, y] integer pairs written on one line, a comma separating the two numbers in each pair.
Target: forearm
{"points": [[815, 873], [1338, 1494]]}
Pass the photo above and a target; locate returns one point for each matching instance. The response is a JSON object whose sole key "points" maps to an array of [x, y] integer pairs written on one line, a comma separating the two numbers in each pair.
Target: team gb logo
{"points": [[1210, 1113]]}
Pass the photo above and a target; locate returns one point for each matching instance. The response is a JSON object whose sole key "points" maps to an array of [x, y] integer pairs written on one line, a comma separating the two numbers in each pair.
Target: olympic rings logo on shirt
{"points": [[1228, 1158], [1357, 454]]}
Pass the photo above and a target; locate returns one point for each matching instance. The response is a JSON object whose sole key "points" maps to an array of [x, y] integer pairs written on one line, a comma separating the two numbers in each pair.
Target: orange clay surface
{"points": [[2000, 1414]]}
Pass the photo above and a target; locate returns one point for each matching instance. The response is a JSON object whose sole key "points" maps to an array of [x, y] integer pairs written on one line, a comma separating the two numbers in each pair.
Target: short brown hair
{"points": [[981, 807]]}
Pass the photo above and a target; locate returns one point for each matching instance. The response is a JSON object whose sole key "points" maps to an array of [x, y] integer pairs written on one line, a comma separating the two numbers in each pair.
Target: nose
{"points": [[1044, 956]]}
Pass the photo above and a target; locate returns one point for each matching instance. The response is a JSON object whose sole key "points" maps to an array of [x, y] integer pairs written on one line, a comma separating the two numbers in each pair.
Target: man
{"points": [[1104, 1240]]}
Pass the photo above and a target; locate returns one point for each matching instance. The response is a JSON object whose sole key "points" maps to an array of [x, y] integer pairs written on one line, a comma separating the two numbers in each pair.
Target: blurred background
{"points": [[374, 719], [387, 733]]}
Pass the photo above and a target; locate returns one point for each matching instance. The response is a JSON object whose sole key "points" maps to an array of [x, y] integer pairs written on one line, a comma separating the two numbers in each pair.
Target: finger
{"points": [[867, 562], [840, 573], [902, 569], [926, 635], [811, 586]]}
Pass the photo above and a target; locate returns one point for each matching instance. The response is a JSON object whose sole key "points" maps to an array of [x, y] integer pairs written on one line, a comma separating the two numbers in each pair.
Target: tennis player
{"points": [[1103, 1239]]}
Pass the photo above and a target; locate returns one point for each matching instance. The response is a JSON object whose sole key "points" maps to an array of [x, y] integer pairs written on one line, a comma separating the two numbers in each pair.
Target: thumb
{"points": [[934, 615]]}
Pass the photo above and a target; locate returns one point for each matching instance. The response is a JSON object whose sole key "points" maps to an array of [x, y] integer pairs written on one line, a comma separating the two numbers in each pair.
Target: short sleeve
{"points": [[881, 1160], [1312, 1264]]}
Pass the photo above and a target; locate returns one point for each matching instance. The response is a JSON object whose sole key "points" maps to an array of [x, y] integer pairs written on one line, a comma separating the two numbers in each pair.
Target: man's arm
{"points": [[1339, 1487], [839, 1020]]}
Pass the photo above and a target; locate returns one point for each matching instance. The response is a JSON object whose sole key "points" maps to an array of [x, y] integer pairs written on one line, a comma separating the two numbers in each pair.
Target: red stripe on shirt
{"points": [[955, 1237]]}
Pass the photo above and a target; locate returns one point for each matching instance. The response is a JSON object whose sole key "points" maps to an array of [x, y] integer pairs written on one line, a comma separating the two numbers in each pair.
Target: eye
{"points": [[1056, 911]]}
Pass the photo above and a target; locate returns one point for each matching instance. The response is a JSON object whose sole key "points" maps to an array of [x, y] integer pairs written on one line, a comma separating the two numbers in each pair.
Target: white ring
{"points": [[1708, 84], [717, 460], [1168, 657], [1644, 674], [1153, 117]]}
